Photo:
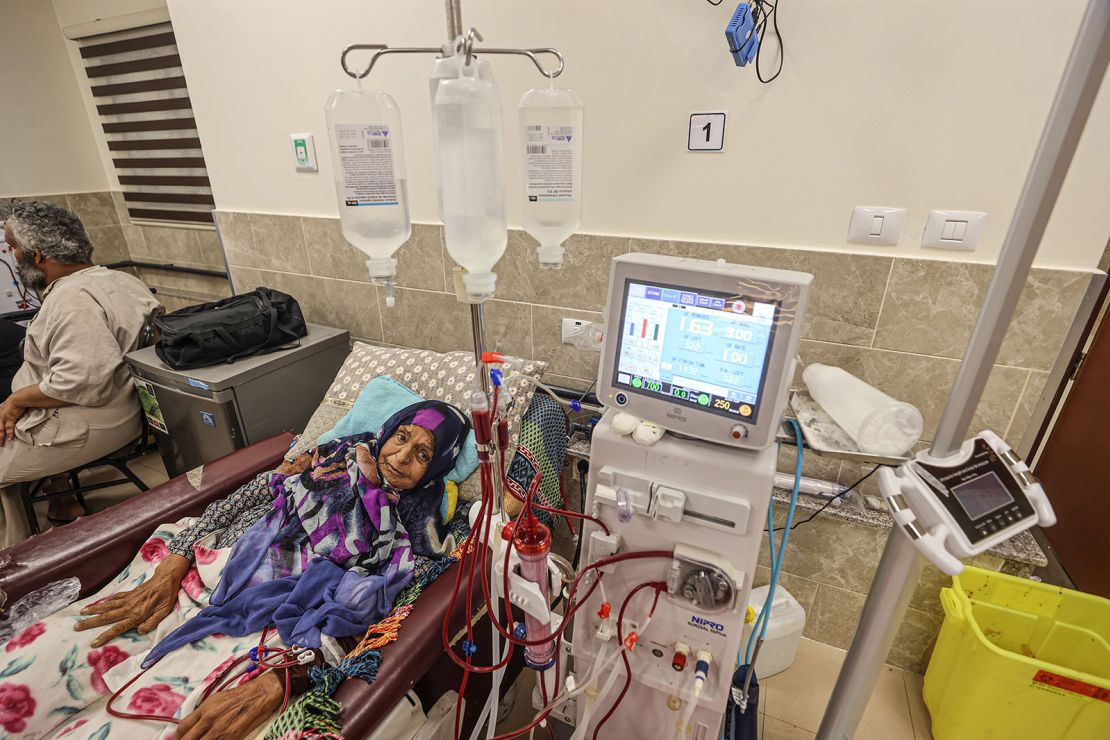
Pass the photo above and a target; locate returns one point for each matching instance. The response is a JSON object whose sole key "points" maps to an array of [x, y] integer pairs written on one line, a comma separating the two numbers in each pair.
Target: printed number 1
{"points": [[706, 128]]}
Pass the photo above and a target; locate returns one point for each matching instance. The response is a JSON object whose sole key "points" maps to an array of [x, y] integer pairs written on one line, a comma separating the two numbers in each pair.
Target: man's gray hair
{"points": [[54, 231]]}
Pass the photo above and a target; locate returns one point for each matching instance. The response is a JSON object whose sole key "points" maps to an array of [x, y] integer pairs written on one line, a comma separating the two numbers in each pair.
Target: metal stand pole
{"points": [[900, 565]]}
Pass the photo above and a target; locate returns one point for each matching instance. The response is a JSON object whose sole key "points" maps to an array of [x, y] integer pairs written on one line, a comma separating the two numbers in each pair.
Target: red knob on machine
{"points": [[603, 612], [678, 662]]}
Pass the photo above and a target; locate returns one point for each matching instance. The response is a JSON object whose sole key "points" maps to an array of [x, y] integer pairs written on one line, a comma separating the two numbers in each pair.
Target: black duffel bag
{"points": [[223, 331]]}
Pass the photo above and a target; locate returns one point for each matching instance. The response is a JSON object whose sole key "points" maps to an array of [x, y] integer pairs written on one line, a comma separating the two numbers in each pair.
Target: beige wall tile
{"points": [[209, 250], [237, 238], [831, 551], [919, 713], [923, 381], [329, 253], [246, 279], [94, 209], [278, 243], [931, 307], [122, 215], [813, 465], [109, 244], [170, 244], [847, 289], [583, 282], [197, 285], [344, 304], [835, 616], [548, 346], [508, 328], [420, 259], [427, 320], [802, 589], [136, 241], [926, 596], [1027, 404]]}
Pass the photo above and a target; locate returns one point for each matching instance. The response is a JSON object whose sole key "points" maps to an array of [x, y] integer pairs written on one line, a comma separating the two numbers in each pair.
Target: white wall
{"points": [[48, 139], [916, 104]]}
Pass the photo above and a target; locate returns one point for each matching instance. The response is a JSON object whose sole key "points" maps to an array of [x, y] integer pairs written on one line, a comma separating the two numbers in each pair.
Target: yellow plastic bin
{"points": [[1019, 659]]}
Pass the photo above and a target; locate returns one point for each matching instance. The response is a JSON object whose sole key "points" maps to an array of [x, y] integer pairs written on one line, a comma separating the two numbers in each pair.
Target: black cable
{"points": [[773, 16], [826, 505], [714, 4]]}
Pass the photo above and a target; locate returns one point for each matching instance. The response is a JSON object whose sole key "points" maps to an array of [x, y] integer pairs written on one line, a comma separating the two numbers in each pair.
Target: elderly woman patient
{"points": [[314, 551]]}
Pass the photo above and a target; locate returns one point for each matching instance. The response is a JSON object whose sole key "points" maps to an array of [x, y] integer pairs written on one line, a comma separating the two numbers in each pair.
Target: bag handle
{"points": [[267, 306]]}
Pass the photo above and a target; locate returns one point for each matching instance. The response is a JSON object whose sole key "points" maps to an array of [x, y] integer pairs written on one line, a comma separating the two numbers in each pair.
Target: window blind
{"points": [[143, 103]]}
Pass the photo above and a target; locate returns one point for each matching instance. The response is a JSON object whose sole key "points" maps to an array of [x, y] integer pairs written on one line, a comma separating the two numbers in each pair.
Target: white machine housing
{"points": [[721, 296], [722, 496], [999, 499], [700, 492]]}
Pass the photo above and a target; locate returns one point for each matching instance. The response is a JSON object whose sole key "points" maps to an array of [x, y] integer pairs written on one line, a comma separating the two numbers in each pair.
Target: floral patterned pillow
{"points": [[447, 377]]}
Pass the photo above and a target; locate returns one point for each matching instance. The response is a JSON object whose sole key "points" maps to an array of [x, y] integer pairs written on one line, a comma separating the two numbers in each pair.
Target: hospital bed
{"points": [[95, 548]]}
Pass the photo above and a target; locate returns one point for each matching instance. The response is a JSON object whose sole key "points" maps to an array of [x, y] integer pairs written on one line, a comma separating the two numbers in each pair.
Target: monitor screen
{"points": [[982, 495], [706, 349]]}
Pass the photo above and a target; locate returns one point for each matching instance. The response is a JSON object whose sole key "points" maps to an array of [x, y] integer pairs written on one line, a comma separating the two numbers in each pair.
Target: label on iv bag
{"points": [[549, 153], [366, 164]]}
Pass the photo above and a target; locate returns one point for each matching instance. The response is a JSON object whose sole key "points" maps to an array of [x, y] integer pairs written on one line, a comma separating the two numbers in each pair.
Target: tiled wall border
{"points": [[899, 323]]}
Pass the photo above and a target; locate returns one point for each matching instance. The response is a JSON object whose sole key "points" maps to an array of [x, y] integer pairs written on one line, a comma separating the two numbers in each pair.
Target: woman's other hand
{"points": [[233, 714], [144, 608], [367, 464]]}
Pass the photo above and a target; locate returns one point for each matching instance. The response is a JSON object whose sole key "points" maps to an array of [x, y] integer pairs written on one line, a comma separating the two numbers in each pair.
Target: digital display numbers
{"points": [[705, 349]]}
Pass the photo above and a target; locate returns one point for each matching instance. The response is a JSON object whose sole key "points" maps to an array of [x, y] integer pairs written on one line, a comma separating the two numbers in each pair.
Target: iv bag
{"points": [[471, 176], [368, 160], [444, 68], [551, 168]]}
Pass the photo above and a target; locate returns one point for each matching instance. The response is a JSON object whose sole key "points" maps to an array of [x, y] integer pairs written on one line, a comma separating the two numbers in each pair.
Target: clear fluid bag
{"points": [[471, 176], [368, 162], [551, 127]]}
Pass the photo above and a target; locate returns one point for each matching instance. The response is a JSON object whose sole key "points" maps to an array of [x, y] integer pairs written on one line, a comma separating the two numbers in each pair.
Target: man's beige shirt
{"points": [[74, 352]]}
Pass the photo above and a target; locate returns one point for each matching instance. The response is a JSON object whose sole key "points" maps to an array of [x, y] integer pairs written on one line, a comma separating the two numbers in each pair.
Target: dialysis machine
{"points": [[705, 351]]}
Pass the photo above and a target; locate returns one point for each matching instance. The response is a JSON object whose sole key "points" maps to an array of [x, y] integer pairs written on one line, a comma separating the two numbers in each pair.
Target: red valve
{"points": [[493, 358], [630, 641], [507, 531], [678, 662], [603, 612]]}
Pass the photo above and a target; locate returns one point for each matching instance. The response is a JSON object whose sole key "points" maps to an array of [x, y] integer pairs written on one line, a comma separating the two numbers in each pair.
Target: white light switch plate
{"points": [[876, 225], [959, 230], [304, 152]]}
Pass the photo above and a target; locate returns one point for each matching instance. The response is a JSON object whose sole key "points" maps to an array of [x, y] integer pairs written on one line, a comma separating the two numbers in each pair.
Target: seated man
{"points": [[72, 399]]}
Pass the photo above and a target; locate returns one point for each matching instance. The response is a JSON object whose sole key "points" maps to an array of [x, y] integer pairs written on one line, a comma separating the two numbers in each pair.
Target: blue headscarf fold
{"points": [[346, 536]]}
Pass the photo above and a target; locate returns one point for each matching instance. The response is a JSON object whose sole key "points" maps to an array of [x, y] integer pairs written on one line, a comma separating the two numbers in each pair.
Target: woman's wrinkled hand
{"points": [[143, 608], [234, 713]]}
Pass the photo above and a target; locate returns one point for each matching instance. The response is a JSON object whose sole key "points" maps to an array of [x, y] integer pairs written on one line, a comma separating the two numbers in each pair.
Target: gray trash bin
{"points": [[201, 414]]}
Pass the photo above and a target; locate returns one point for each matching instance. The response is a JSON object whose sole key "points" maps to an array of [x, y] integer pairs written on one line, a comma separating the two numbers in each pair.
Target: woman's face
{"points": [[405, 456]]}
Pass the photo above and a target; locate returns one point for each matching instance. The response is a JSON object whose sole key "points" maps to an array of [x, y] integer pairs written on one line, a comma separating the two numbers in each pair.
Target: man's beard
{"points": [[31, 276]]}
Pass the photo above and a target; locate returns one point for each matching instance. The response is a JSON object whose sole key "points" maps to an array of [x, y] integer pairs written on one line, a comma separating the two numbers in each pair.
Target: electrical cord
{"points": [[772, 15], [826, 505]]}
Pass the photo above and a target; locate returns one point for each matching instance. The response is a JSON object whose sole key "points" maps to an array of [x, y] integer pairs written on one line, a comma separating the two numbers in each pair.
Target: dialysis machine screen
{"points": [[706, 349], [982, 495]]}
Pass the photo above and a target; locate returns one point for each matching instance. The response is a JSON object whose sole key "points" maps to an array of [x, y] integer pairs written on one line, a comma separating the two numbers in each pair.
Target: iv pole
{"points": [[900, 566]]}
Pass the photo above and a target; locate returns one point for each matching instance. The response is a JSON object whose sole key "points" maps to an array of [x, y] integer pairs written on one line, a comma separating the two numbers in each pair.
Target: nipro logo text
{"points": [[707, 624]]}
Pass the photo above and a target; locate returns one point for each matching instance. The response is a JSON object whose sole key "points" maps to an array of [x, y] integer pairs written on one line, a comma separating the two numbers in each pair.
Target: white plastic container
{"points": [[551, 129], [368, 162], [472, 176], [878, 423], [784, 631]]}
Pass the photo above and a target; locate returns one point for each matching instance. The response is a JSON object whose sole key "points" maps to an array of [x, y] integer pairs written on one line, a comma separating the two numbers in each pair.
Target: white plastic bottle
{"points": [[878, 423], [446, 67], [368, 160], [472, 177], [551, 130]]}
